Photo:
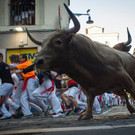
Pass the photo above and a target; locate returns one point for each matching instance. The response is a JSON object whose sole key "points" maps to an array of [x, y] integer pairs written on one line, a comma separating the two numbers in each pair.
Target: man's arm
{"points": [[28, 69], [12, 68]]}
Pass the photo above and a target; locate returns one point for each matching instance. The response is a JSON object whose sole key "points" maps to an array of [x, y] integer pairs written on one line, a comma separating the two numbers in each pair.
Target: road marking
{"points": [[107, 111], [44, 130]]}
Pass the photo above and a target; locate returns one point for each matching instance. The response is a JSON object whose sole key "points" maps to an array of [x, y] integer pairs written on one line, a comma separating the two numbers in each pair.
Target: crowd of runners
{"points": [[25, 90]]}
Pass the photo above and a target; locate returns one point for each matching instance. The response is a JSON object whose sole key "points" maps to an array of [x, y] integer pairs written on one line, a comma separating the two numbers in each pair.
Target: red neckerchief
{"points": [[25, 82], [51, 89]]}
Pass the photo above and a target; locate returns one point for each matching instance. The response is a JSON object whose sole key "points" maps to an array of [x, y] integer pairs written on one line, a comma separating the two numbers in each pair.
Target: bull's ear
{"points": [[70, 37]]}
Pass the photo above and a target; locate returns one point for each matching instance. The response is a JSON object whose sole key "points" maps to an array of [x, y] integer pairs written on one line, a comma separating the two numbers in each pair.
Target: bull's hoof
{"points": [[85, 117], [131, 110]]}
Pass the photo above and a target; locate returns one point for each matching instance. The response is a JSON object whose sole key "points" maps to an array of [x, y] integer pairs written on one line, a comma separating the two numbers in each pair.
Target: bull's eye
{"points": [[58, 42]]}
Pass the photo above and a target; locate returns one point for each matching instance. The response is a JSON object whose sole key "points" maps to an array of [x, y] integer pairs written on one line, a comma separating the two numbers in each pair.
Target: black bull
{"points": [[95, 66]]}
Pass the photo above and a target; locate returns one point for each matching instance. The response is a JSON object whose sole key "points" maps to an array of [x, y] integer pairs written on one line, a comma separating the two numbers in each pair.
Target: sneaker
{"points": [[70, 113], [98, 112], [68, 108], [5, 117], [18, 110], [27, 116], [58, 115], [79, 111]]}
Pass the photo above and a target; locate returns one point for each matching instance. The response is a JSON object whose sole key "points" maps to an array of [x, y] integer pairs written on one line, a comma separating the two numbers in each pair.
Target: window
{"points": [[107, 43], [22, 12]]}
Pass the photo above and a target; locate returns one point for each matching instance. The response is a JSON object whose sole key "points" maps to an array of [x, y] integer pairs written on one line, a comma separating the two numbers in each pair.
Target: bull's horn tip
{"points": [[65, 5], [127, 29]]}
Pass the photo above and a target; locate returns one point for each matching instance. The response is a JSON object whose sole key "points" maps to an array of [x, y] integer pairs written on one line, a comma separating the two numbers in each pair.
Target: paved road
{"points": [[116, 121]]}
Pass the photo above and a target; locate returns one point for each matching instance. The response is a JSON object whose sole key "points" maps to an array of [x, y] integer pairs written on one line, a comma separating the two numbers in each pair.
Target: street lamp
{"points": [[89, 21]]}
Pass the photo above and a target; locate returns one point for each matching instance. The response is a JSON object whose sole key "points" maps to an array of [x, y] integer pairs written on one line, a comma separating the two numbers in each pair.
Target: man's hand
{"points": [[11, 67]]}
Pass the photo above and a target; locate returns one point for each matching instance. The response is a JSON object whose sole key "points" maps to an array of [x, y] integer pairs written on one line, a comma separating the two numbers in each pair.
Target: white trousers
{"points": [[27, 97], [96, 105], [49, 97], [108, 99], [17, 93], [81, 99], [12, 106], [4, 111], [6, 89], [72, 92], [15, 102]]}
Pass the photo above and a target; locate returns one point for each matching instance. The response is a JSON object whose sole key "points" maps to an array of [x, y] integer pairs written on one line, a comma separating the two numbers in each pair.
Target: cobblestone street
{"points": [[115, 116]]}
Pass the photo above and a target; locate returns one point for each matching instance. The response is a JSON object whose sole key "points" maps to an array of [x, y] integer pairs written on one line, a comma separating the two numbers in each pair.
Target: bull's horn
{"points": [[129, 38], [32, 39], [75, 21]]}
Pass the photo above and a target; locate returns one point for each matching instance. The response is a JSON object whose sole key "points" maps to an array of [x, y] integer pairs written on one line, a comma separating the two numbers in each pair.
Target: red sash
{"points": [[80, 91], [51, 89], [15, 87], [25, 82], [2, 98], [100, 98]]}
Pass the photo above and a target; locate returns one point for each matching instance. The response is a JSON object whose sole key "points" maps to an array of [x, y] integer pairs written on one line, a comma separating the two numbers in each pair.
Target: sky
{"points": [[112, 15]]}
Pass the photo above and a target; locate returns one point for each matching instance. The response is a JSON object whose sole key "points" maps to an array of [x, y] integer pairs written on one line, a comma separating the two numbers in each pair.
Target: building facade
{"points": [[97, 33], [41, 17]]}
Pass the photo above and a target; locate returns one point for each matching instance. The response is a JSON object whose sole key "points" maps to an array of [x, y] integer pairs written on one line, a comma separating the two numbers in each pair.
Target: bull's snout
{"points": [[39, 61]]}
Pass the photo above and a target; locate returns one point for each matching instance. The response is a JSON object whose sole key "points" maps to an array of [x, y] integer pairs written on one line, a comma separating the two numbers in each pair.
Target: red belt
{"points": [[25, 82], [51, 89]]}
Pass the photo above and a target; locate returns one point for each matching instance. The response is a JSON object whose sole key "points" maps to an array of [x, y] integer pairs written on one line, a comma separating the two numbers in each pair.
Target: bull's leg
{"points": [[127, 83], [129, 106], [88, 113]]}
